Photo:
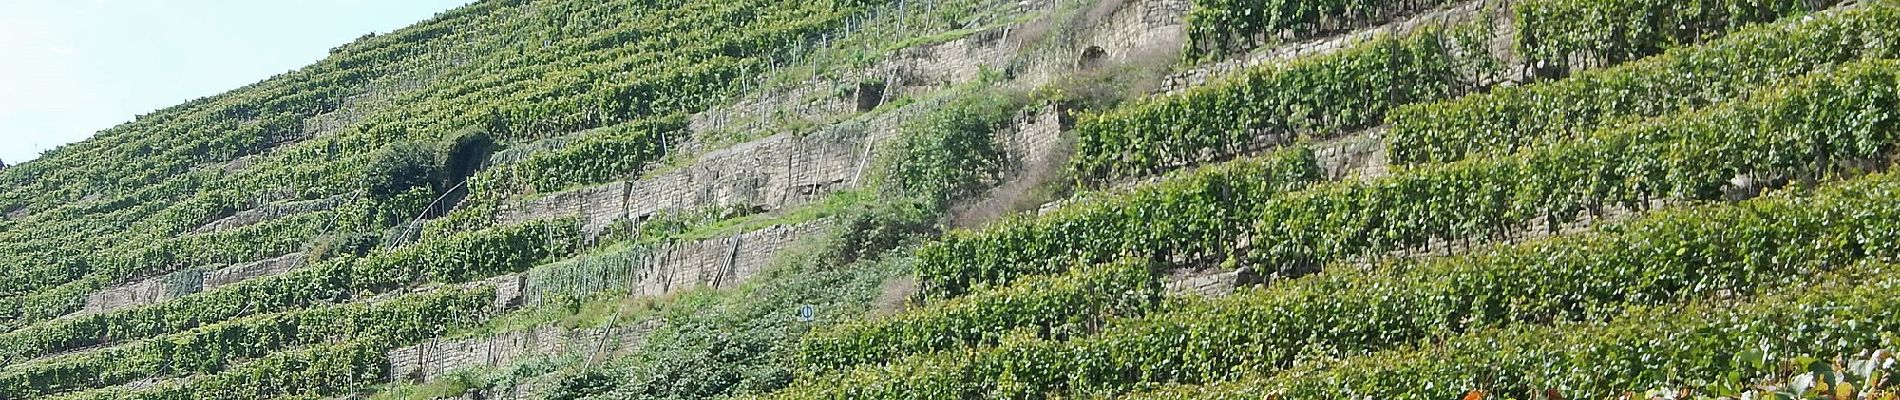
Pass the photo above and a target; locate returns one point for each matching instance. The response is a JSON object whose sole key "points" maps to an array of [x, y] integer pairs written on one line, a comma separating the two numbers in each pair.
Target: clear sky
{"points": [[69, 68]]}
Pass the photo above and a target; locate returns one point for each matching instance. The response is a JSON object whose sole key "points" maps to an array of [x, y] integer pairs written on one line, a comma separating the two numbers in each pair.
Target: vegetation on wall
{"points": [[1718, 157]]}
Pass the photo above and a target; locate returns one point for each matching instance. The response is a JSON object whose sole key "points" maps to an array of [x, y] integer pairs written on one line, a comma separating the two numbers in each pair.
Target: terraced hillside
{"points": [[963, 199]]}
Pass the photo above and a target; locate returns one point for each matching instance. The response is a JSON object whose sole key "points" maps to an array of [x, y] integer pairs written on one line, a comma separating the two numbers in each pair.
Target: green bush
{"points": [[402, 168], [952, 153]]}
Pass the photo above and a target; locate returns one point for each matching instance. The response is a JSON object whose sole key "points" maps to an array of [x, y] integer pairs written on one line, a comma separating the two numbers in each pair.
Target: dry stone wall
{"points": [[815, 100], [597, 207], [765, 175], [923, 69], [178, 284], [1219, 283], [787, 170], [723, 262], [1034, 135], [437, 358], [1140, 29], [1358, 156], [776, 173], [1149, 32], [268, 212]]}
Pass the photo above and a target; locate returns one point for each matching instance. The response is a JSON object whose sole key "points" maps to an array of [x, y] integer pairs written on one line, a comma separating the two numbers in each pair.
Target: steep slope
{"points": [[980, 199]]}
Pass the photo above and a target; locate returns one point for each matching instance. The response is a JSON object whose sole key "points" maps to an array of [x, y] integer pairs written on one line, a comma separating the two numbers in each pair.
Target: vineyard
{"points": [[974, 199]]}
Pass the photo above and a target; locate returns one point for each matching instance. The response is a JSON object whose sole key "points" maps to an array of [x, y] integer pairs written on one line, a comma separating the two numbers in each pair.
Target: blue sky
{"points": [[69, 68]]}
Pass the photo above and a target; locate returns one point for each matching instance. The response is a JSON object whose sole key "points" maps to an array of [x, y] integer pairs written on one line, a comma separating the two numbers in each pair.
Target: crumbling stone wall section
{"points": [[178, 284], [1358, 156], [244, 272], [268, 212], [1138, 30], [780, 172], [722, 262], [929, 68], [598, 207], [438, 358], [815, 100], [1034, 135], [508, 289], [147, 291]]}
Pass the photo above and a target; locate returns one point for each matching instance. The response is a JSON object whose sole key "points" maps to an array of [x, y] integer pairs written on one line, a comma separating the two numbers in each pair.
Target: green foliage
{"points": [[394, 121], [1193, 217], [869, 232], [1217, 28], [1552, 33], [721, 344], [1701, 350], [454, 259], [1318, 97], [1844, 115], [342, 245], [401, 168], [1657, 260], [619, 75], [1074, 304], [212, 348], [602, 155], [597, 64], [952, 152], [1510, 118], [63, 285], [316, 371]]}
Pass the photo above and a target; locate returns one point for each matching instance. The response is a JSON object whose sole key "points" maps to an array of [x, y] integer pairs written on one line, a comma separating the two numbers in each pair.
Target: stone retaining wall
{"points": [[722, 262], [178, 284], [437, 358]]}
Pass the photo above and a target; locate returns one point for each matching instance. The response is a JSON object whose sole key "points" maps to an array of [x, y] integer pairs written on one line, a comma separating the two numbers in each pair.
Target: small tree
{"points": [[403, 167]]}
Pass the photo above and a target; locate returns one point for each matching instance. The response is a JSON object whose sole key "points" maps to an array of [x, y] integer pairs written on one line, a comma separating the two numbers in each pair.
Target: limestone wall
{"points": [[437, 358], [1034, 135], [268, 212], [1140, 29], [179, 284], [775, 173], [722, 262]]}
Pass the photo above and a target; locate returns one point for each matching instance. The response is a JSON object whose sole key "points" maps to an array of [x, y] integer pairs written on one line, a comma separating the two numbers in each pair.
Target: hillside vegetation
{"points": [[973, 199]]}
